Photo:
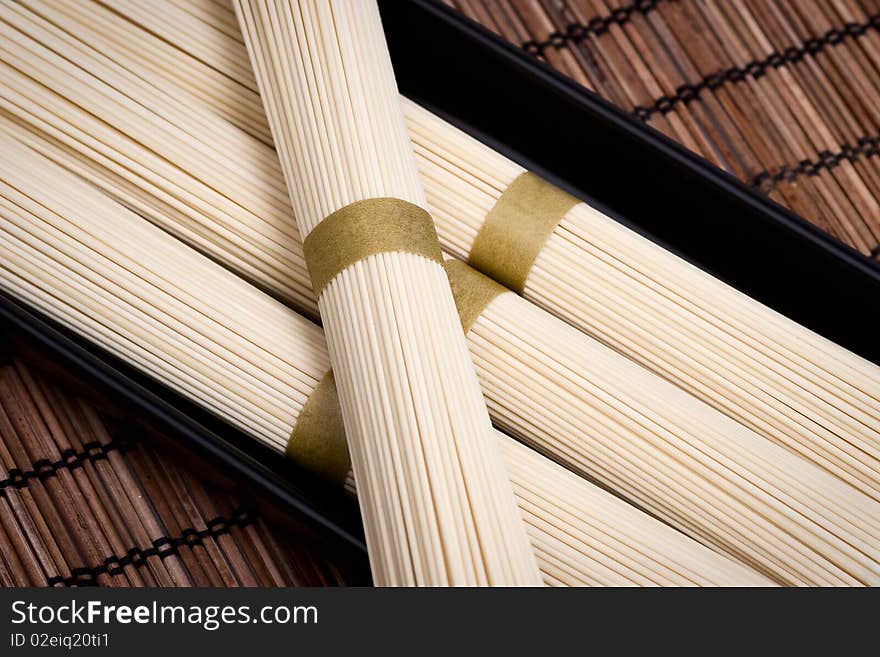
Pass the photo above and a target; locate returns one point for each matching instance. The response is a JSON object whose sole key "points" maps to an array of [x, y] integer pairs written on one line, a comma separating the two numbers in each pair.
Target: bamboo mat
{"points": [[784, 94], [85, 501]]}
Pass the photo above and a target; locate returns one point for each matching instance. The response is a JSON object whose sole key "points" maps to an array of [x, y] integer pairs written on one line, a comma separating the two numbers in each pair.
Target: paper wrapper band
{"points": [[317, 442], [472, 291], [516, 229], [363, 229]]}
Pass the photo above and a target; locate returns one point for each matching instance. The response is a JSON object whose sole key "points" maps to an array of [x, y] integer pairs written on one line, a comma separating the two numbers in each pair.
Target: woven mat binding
{"points": [[84, 502], [783, 94]]}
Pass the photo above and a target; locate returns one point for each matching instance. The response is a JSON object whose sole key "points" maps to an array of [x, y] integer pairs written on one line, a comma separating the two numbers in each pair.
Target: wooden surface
{"points": [[784, 94], [85, 501]]}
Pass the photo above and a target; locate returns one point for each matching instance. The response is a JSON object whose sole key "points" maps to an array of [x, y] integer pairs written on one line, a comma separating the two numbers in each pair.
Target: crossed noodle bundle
{"points": [[98, 268], [435, 498], [547, 383], [767, 372]]}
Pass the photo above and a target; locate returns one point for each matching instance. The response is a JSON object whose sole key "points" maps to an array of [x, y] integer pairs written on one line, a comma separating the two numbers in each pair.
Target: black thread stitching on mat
{"points": [[162, 547], [688, 92], [44, 469], [865, 147], [574, 33]]}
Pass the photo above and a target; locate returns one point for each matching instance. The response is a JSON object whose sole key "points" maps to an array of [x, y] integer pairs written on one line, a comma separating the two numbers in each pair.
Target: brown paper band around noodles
{"points": [[317, 442], [472, 291], [516, 229], [363, 229]]}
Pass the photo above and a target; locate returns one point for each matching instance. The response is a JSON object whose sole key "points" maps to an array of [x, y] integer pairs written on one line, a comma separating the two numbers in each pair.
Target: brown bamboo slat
{"points": [[784, 94], [85, 501]]}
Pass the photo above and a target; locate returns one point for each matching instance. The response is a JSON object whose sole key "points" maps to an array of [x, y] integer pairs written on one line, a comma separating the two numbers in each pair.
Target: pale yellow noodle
{"points": [[99, 269], [436, 500]]}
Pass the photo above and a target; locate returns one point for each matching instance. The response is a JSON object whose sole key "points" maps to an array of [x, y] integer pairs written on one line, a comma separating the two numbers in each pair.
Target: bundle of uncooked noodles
{"points": [[436, 501], [98, 268], [760, 368], [548, 384], [774, 376]]}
